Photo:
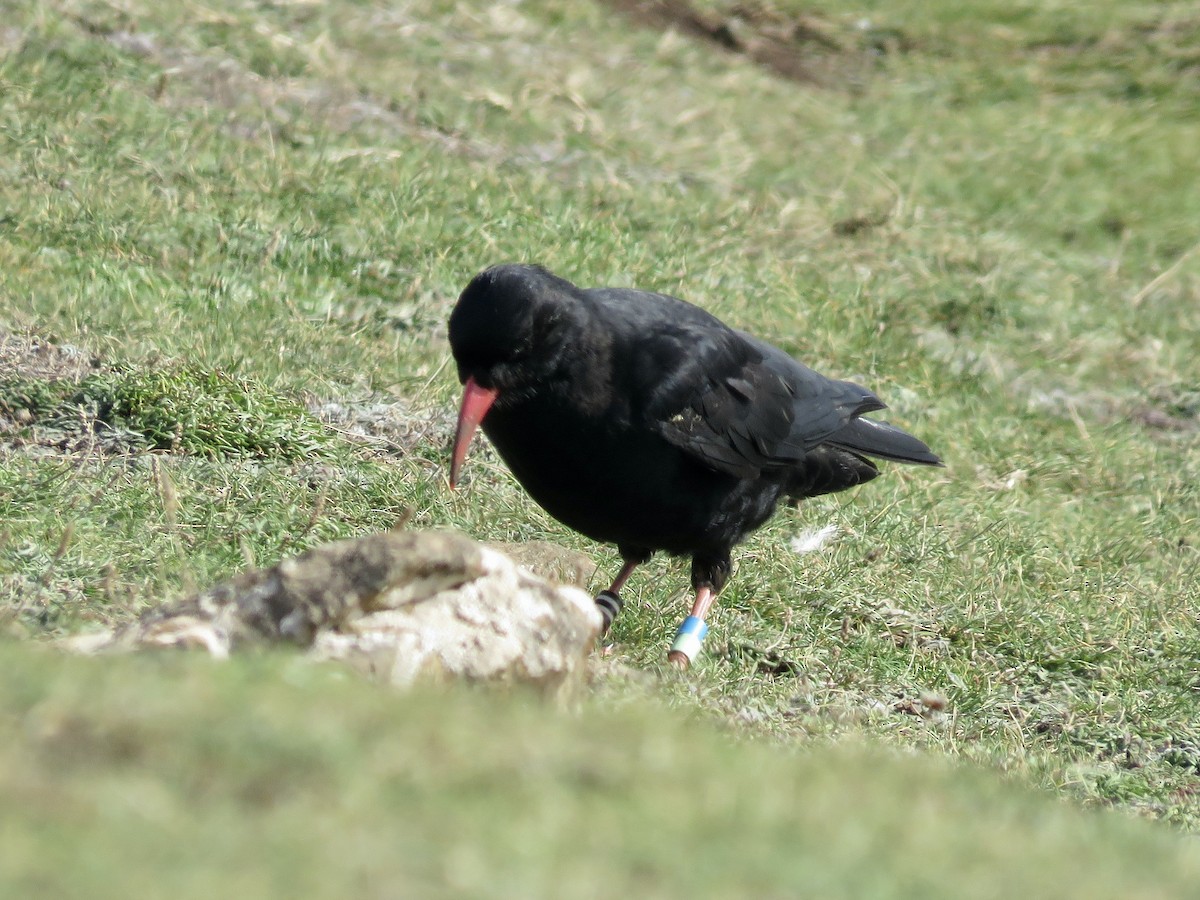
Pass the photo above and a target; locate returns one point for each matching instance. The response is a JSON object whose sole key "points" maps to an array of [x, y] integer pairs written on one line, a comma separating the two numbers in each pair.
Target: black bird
{"points": [[641, 420]]}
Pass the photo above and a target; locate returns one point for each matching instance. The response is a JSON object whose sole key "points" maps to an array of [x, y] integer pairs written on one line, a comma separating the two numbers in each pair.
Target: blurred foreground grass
{"points": [[178, 776]]}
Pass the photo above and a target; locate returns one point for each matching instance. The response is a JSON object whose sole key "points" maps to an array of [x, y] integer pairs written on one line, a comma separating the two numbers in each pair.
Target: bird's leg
{"points": [[708, 577], [705, 597], [610, 601], [690, 637]]}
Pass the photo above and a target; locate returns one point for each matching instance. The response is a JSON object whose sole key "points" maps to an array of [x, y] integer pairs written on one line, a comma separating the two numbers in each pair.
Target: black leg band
{"points": [[610, 604]]}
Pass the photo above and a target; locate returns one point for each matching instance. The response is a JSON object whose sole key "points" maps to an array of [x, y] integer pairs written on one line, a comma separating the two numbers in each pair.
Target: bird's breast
{"points": [[616, 483]]}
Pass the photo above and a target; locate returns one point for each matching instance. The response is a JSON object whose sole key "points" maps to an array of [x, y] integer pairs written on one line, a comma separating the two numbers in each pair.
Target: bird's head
{"points": [[508, 337]]}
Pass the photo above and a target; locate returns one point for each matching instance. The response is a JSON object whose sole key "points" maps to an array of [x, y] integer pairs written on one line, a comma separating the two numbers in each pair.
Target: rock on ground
{"points": [[399, 606]]}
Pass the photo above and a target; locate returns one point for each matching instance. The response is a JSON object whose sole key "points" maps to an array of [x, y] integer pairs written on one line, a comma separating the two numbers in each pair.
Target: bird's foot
{"points": [[689, 640], [610, 604]]}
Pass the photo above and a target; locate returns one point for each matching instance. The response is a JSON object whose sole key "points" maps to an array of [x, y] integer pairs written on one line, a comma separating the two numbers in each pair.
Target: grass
{"points": [[245, 210], [272, 777], [188, 410]]}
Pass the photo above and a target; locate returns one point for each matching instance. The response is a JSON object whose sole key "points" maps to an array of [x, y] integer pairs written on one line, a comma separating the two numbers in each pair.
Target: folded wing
{"points": [[744, 407]]}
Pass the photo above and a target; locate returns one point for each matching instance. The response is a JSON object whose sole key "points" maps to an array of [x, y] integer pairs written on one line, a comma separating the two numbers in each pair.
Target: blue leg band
{"points": [[689, 639]]}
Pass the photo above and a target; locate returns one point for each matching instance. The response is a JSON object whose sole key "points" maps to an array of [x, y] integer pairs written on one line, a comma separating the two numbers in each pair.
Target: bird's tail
{"points": [[884, 441]]}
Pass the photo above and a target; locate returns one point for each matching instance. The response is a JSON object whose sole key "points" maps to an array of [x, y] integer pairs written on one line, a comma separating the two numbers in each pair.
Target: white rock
{"points": [[400, 606]]}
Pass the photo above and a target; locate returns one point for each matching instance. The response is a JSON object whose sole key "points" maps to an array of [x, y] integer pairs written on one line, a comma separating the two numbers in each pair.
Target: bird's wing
{"points": [[742, 406]]}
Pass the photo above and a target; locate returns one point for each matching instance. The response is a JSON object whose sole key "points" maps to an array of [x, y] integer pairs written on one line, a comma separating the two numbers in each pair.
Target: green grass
{"points": [[981, 211], [274, 777], [184, 409]]}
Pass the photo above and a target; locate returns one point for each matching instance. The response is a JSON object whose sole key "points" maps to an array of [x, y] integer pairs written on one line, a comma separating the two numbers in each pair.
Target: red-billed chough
{"points": [[643, 421]]}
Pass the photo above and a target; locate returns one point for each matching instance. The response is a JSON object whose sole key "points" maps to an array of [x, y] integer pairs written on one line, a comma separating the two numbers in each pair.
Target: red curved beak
{"points": [[476, 402]]}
